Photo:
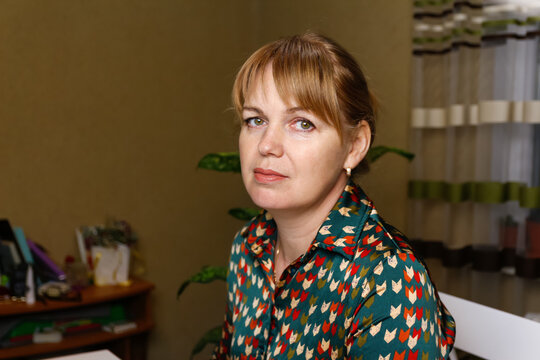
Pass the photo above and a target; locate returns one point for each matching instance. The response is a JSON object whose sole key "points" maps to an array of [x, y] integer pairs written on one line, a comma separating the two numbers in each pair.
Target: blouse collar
{"points": [[337, 234]]}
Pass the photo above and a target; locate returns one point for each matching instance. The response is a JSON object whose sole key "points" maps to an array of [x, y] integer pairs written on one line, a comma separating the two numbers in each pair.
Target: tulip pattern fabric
{"points": [[359, 292]]}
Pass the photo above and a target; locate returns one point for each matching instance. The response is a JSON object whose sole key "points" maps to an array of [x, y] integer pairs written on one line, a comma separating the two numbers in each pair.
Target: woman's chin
{"points": [[269, 200], [270, 204]]}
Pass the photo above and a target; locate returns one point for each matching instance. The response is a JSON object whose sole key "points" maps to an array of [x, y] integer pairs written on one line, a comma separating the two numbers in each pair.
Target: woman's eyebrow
{"points": [[295, 109], [253, 109], [259, 111]]}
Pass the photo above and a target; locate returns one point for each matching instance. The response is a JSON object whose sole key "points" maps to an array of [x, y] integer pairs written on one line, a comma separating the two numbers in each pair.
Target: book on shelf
{"points": [[82, 328], [44, 264], [15, 341], [7, 264], [83, 251], [23, 245], [12, 251], [7, 236]]}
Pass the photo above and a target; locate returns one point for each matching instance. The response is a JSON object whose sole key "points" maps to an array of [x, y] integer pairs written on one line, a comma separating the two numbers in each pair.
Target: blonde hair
{"points": [[319, 74]]}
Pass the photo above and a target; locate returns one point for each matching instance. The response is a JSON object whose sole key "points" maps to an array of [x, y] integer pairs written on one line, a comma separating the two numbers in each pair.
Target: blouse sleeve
{"points": [[222, 348], [399, 316]]}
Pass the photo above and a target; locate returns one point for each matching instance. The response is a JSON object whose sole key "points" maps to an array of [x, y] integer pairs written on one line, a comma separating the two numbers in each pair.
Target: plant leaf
{"points": [[230, 161], [377, 151], [205, 275], [244, 213], [212, 336], [223, 161]]}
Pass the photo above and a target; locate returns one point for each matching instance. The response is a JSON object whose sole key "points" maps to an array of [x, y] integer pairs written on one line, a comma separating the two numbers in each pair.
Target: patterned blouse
{"points": [[359, 292]]}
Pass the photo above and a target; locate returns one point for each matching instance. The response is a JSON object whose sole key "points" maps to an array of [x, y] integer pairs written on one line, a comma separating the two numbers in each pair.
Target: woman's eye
{"points": [[304, 125], [254, 122]]}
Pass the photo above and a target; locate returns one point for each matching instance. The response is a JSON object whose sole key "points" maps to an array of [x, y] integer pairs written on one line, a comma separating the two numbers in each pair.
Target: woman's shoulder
{"points": [[382, 239], [385, 254], [375, 235], [399, 277]]}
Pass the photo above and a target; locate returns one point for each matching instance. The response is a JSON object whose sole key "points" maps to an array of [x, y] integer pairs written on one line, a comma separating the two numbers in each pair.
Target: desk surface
{"points": [[92, 355]]}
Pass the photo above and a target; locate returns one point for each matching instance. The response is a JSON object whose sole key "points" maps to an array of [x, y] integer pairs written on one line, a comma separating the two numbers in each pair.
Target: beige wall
{"points": [[106, 107]]}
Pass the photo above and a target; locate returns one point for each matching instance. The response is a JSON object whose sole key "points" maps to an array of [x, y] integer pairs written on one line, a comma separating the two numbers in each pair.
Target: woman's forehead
{"points": [[262, 86]]}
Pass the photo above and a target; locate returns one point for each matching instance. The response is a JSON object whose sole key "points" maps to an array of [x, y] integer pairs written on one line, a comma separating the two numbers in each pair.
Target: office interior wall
{"points": [[106, 108], [108, 105]]}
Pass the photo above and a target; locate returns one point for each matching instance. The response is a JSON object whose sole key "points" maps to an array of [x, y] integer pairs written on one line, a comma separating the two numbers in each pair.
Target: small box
{"points": [[111, 264], [48, 335], [120, 327]]}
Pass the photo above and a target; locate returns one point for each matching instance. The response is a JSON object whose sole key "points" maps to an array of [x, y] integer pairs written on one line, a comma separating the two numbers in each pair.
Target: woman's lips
{"points": [[266, 176]]}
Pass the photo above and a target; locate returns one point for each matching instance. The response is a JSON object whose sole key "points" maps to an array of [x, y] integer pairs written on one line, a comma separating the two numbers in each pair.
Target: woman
{"points": [[318, 274]]}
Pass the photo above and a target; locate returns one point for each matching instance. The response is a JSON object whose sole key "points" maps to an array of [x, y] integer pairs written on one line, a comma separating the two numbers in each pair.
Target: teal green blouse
{"points": [[359, 292]]}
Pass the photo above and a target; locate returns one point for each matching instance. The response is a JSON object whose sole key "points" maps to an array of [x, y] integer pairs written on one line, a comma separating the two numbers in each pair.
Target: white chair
{"points": [[492, 334]]}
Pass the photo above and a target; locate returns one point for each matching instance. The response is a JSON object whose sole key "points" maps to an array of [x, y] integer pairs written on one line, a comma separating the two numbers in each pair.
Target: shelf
{"points": [[136, 300], [90, 295], [73, 342]]}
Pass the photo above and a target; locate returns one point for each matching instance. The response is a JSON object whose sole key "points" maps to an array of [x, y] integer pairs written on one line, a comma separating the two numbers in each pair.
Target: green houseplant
{"points": [[230, 162]]}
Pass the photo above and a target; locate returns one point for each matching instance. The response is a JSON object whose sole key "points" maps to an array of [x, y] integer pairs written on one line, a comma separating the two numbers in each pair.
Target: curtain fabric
{"points": [[475, 130]]}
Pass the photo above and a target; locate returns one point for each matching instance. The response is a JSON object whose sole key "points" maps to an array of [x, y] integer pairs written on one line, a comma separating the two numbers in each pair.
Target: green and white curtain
{"points": [[475, 129]]}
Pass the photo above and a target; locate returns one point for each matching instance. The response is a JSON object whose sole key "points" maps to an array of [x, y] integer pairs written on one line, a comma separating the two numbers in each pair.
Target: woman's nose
{"points": [[271, 143]]}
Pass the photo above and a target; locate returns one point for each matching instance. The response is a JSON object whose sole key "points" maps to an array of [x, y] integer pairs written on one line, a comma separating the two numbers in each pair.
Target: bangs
{"points": [[302, 74]]}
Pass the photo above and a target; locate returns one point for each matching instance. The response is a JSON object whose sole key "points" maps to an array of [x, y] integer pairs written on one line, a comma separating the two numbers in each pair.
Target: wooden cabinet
{"points": [[129, 345]]}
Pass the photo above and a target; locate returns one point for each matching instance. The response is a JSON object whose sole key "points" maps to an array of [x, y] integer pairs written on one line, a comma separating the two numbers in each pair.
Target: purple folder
{"points": [[45, 260]]}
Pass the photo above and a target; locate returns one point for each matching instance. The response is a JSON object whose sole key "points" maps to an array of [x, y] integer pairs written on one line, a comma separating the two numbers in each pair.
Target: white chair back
{"points": [[492, 334]]}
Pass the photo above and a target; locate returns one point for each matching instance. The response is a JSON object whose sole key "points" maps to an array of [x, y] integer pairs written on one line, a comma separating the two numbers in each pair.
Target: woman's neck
{"points": [[297, 229]]}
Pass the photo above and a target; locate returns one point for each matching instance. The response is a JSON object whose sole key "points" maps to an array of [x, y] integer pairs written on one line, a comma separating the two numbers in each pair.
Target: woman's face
{"points": [[291, 159]]}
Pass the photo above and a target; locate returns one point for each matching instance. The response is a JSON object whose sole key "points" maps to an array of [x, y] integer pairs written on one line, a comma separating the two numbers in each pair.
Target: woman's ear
{"points": [[359, 145]]}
